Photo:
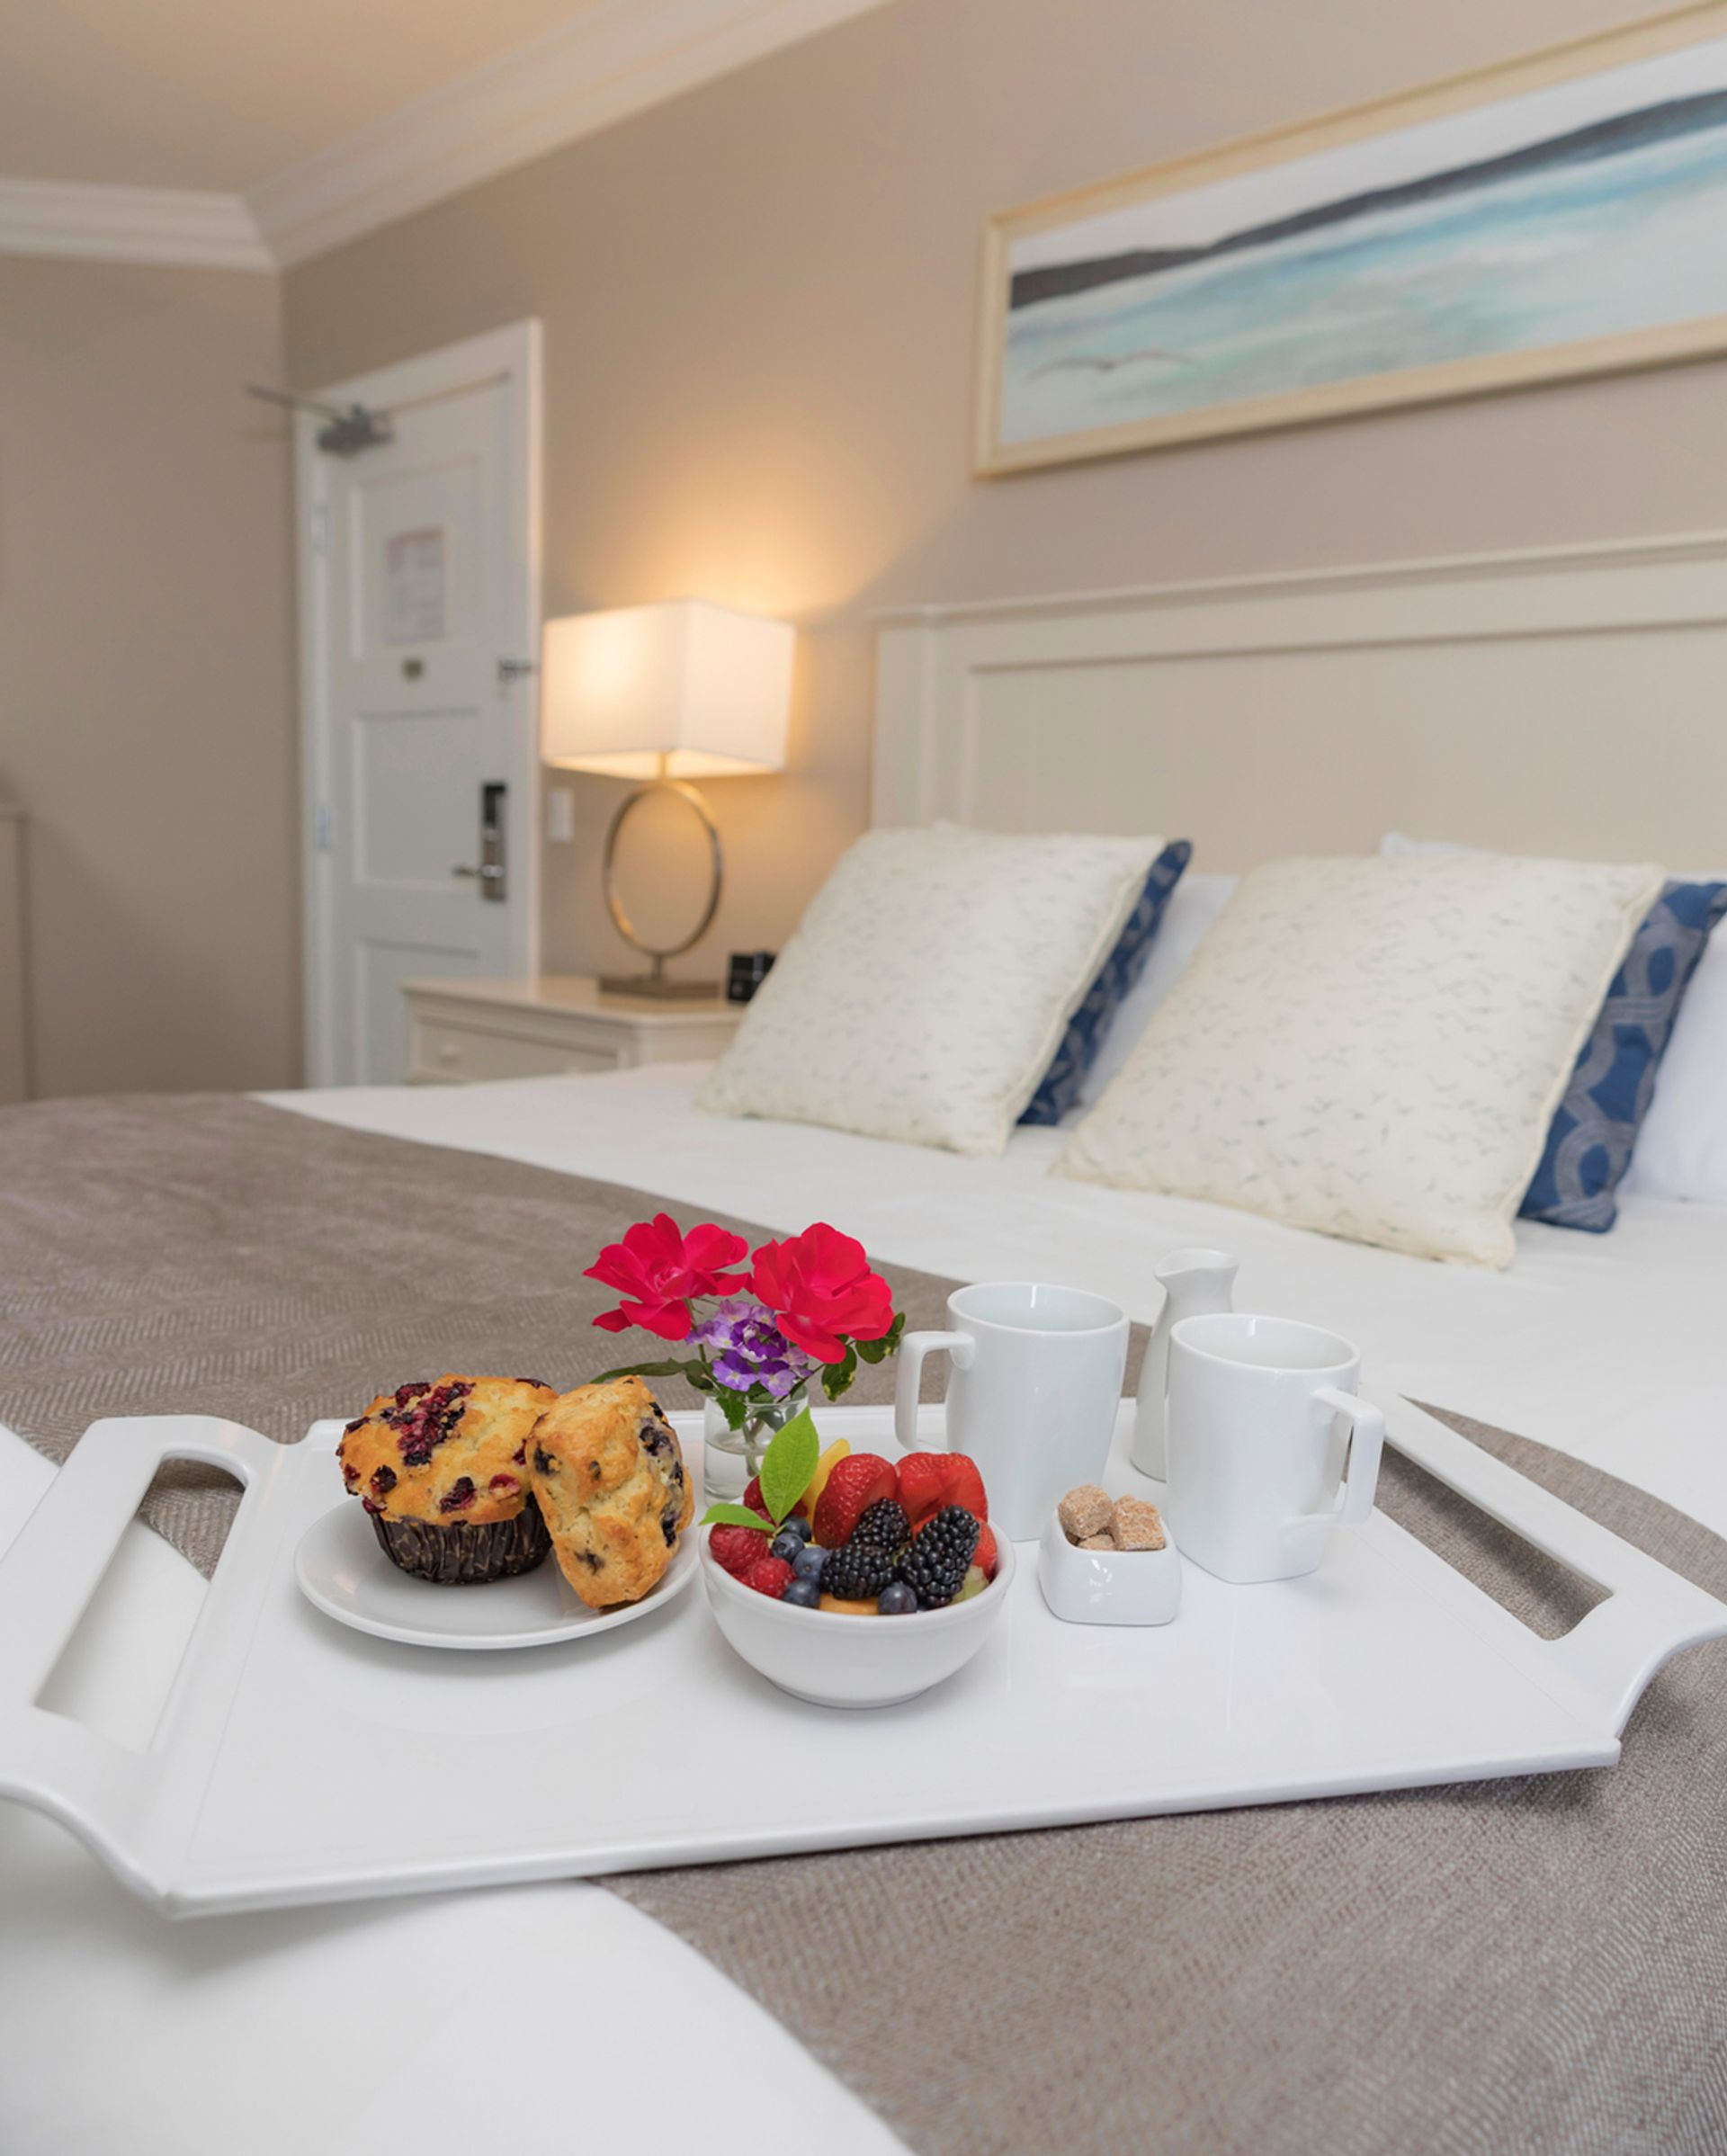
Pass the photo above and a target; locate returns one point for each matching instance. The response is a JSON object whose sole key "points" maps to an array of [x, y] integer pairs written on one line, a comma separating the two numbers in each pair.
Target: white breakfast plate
{"points": [[342, 1571]]}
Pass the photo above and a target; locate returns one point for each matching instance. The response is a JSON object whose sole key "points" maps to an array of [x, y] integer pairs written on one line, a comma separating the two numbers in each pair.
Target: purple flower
{"points": [[750, 1349]]}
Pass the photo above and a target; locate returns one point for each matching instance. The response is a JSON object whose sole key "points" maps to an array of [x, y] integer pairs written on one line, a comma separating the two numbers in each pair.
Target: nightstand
{"points": [[460, 1031]]}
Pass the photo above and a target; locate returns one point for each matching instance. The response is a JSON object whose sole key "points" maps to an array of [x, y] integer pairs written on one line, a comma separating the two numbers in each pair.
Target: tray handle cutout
{"points": [[1649, 1611], [103, 1792]]}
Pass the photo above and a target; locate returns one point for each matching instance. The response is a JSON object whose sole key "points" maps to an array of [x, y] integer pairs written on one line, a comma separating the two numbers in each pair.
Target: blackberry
{"points": [[858, 1572], [940, 1556], [883, 1526]]}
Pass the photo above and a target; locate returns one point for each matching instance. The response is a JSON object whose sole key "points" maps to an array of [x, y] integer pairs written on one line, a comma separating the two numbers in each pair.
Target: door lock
{"points": [[494, 883]]}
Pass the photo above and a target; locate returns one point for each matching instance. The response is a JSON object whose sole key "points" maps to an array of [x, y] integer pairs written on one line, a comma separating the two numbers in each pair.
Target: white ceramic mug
{"points": [[1032, 1394], [1269, 1448]]}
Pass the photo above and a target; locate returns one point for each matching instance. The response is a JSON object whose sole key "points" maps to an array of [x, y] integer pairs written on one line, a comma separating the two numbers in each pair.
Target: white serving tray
{"points": [[296, 1761]]}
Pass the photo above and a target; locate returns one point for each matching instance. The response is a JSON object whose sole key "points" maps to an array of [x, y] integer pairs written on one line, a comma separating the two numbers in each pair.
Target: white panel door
{"points": [[424, 614]]}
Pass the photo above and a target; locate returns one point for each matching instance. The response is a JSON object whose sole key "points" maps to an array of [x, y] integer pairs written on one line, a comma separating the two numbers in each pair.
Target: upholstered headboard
{"points": [[1565, 701]]}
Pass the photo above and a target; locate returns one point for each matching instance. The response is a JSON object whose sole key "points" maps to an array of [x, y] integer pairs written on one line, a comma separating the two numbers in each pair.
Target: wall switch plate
{"points": [[560, 815]]}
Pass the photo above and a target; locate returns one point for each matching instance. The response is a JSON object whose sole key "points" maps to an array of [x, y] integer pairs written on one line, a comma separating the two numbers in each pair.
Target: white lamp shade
{"points": [[707, 689]]}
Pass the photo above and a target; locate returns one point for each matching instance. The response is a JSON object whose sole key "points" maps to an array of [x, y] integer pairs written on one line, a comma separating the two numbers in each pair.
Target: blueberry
{"points": [[804, 1593], [896, 1599], [787, 1546], [808, 1563], [800, 1526]]}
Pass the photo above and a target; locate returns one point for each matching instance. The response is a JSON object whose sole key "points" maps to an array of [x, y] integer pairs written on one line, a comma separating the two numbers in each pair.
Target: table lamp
{"points": [[665, 693]]}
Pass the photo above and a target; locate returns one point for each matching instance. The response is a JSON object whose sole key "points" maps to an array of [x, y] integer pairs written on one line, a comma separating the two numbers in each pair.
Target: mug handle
{"points": [[1361, 1470], [913, 1348]]}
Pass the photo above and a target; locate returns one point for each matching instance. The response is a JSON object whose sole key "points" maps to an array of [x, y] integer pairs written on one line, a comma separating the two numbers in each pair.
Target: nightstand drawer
{"points": [[460, 1033], [444, 1051]]}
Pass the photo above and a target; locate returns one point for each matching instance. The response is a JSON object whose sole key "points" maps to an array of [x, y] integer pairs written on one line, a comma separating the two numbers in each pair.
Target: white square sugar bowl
{"points": [[1108, 1586]]}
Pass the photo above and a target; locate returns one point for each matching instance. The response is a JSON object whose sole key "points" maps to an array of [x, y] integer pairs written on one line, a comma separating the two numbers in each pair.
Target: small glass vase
{"points": [[731, 1457]]}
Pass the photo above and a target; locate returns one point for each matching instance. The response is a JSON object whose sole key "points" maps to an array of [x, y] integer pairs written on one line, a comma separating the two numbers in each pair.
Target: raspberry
{"points": [[737, 1549], [858, 1481], [769, 1575], [986, 1557]]}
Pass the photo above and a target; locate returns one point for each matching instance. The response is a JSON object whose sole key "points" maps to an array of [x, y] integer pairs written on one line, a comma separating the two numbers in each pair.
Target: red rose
{"points": [[818, 1285], [657, 1269]]}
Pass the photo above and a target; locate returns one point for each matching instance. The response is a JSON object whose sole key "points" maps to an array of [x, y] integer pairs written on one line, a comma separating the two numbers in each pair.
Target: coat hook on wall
{"points": [[350, 429]]}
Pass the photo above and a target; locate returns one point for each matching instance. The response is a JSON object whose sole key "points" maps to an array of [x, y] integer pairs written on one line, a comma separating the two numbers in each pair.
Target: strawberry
{"points": [[985, 1555], [857, 1482], [769, 1575], [928, 1481], [921, 1480], [737, 1549], [965, 1487]]}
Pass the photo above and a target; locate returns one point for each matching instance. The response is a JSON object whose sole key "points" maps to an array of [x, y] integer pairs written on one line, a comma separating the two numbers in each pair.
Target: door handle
{"points": [[489, 873]]}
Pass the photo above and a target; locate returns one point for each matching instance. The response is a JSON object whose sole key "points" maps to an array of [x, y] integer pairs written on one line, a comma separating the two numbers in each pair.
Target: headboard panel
{"points": [[1566, 702]]}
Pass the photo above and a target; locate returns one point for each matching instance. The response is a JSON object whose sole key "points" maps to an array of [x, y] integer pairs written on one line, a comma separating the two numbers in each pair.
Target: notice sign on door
{"points": [[414, 587]]}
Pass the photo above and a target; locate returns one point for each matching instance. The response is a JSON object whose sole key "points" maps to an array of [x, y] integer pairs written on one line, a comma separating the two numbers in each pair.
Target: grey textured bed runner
{"points": [[1532, 1966]]}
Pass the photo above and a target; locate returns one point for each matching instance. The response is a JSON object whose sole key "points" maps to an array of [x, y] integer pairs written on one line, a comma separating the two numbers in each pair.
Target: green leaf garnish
{"points": [[734, 1516], [788, 1464]]}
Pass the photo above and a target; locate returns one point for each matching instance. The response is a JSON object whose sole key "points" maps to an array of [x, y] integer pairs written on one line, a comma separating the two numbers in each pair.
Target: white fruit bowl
{"points": [[842, 1661]]}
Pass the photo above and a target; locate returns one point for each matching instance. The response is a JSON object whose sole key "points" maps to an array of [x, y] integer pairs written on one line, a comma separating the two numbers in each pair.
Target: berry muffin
{"points": [[441, 1469], [609, 1475]]}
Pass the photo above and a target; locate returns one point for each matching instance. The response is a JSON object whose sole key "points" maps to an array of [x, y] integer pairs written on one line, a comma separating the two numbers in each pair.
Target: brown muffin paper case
{"points": [[465, 1554]]}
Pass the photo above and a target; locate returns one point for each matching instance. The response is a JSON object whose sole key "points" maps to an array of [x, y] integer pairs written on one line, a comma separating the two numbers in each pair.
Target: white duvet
{"points": [[119, 2032]]}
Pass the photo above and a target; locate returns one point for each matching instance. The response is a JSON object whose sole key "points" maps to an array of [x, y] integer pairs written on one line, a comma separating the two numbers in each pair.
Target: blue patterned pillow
{"points": [[1059, 1088], [1594, 1125]]}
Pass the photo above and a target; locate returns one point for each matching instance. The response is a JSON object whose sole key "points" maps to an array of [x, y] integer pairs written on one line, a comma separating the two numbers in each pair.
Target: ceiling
{"points": [[207, 94], [254, 135]]}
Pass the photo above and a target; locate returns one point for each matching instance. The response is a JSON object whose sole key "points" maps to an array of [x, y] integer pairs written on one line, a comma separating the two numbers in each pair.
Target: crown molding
{"points": [[177, 227], [614, 59]]}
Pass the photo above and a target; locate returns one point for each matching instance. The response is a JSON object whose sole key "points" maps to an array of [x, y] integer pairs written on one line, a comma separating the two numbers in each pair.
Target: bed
{"points": [[119, 2031]]}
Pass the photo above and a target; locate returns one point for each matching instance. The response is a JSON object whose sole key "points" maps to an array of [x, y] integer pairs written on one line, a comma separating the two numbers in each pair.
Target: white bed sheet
{"points": [[1612, 1347], [1608, 1347]]}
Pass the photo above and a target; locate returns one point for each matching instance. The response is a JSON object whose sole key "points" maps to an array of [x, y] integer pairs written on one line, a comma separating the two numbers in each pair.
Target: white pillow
{"points": [[1371, 1048], [1194, 905], [929, 983], [1681, 1149], [1682, 1143]]}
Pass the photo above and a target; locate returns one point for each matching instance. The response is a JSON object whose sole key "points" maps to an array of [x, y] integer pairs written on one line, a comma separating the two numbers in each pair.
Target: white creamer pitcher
{"points": [[1196, 1283]]}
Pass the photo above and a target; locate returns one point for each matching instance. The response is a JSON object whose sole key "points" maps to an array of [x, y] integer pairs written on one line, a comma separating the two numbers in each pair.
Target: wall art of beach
{"points": [[1582, 211]]}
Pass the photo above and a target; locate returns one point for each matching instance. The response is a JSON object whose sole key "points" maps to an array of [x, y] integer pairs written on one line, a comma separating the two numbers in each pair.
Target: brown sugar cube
{"points": [[1087, 1510], [1098, 1541], [1137, 1525]]}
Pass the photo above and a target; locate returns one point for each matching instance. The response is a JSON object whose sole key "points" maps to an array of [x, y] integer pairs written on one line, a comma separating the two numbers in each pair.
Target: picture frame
{"points": [[1424, 246]]}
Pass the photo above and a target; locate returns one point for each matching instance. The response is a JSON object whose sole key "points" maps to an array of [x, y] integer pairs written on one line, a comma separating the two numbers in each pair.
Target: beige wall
{"points": [[759, 307], [145, 714]]}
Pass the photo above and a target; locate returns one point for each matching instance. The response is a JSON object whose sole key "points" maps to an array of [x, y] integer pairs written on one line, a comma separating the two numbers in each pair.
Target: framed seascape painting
{"points": [[1563, 214]]}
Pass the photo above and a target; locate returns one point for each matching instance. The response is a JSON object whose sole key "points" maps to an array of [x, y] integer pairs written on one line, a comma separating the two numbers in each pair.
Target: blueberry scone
{"points": [[442, 1469], [609, 1476]]}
